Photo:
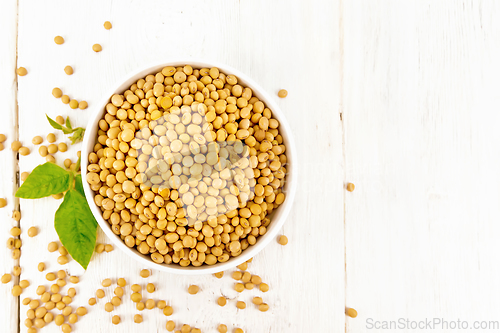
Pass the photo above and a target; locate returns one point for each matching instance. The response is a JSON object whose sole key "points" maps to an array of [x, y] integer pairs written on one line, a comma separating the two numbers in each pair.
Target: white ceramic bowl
{"points": [[278, 217]]}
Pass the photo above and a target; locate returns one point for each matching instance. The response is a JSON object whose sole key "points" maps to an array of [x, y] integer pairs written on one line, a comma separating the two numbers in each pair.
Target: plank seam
{"points": [[16, 160], [341, 112]]}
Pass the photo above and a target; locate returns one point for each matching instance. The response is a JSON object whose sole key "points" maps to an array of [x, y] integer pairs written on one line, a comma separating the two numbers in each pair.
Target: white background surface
{"points": [[400, 98]]}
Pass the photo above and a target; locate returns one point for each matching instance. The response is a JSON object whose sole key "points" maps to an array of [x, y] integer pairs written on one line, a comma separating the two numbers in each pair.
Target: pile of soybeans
{"points": [[187, 166]]}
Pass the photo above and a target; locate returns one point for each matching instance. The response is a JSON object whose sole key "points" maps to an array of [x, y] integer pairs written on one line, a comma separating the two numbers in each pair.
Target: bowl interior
{"points": [[278, 216]]}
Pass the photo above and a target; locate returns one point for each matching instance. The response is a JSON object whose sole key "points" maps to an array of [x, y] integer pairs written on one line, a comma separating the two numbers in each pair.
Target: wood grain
{"points": [[416, 83], [306, 276], [9, 310], [421, 138]]}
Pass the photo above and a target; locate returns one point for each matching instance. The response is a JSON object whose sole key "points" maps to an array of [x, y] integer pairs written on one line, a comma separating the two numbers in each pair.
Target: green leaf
{"points": [[76, 227], [54, 124], [79, 185], [45, 180], [77, 135], [78, 163], [68, 123], [68, 129]]}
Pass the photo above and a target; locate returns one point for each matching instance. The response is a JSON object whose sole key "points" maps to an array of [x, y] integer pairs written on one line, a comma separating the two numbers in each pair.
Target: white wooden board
{"points": [[306, 276], [416, 84], [8, 163], [421, 117]]}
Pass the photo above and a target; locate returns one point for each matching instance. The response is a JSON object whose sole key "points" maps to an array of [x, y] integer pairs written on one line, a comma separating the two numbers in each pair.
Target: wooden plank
{"points": [[9, 308], [301, 57], [421, 145]]}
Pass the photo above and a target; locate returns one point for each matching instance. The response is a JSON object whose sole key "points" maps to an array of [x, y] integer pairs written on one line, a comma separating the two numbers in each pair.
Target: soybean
{"points": [[118, 291], [53, 246], [239, 287], [257, 300], [32, 232], [62, 260], [256, 279], [221, 301], [122, 282], [24, 151], [37, 140], [136, 297], [62, 251], [246, 277], [51, 137], [109, 307], [263, 307], [6, 278], [16, 145], [351, 312], [15, 231], [81, 311], [168, 310], [283, 240], [150, 304], [193, 289], [73, 104], [58, 40], [99, 293], [106, 282], [83, 105], [16, 290], [57, 93], [170, 326], [62, 147], [43, 151], [99, 248], [21, 71]]}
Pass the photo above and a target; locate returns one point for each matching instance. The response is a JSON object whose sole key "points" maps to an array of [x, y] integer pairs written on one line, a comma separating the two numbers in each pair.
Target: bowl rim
{"points": [[291, 177]]}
